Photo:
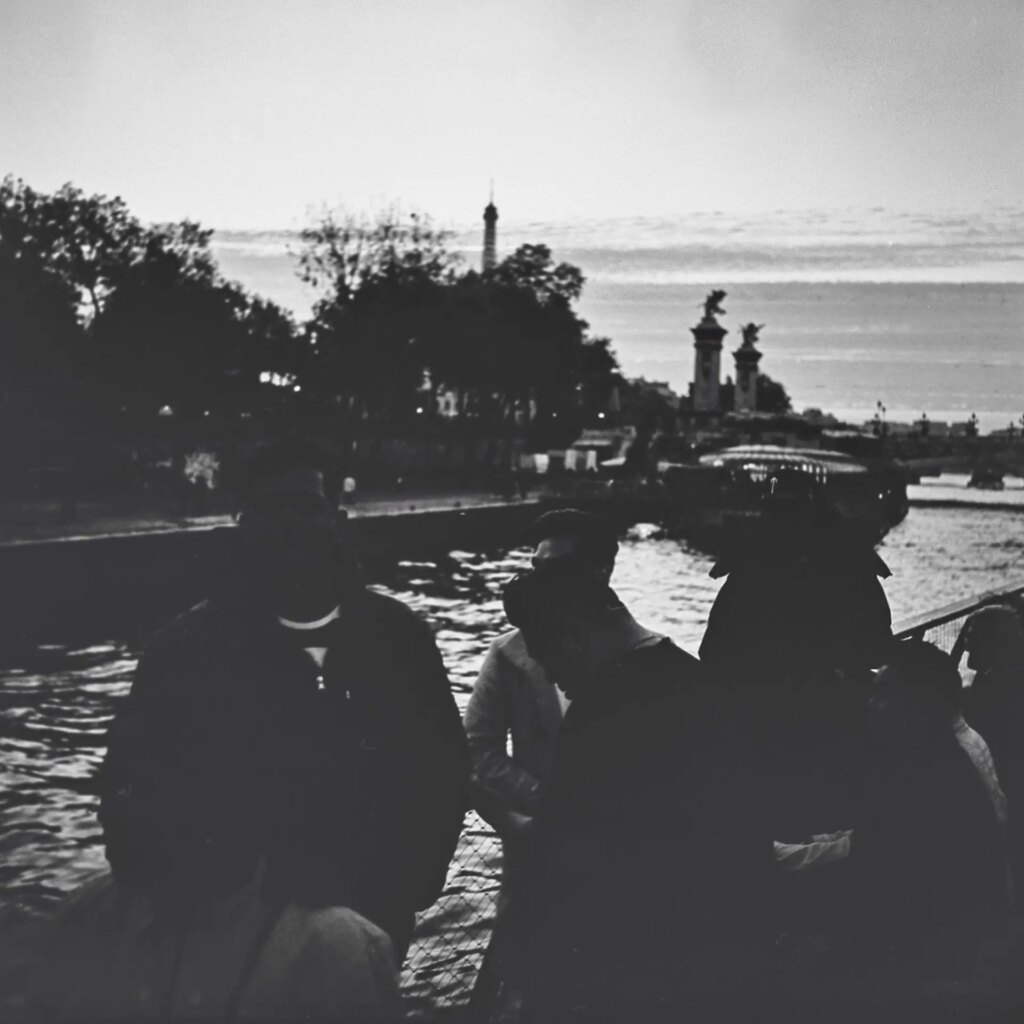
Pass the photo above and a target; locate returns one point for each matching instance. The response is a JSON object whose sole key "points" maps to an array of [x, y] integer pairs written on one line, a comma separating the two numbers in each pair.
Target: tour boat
{"points": [[732, 487]]}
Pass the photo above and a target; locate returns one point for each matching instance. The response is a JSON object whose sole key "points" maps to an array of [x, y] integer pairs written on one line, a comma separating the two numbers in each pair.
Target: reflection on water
{"points": [[53, 712], [53, 716]]}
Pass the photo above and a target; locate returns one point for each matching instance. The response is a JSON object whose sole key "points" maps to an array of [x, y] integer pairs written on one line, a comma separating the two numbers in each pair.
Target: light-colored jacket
{"points": [[105, 956], [511, 696]]}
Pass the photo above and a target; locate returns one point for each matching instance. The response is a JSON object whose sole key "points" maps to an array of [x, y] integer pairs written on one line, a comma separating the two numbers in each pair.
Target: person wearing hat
{"points": [[514, 700], [295, 714], [794, 633]]}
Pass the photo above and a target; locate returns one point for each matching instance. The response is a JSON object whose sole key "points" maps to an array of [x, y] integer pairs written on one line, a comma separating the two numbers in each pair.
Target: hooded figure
{"points": [[792, 636]]}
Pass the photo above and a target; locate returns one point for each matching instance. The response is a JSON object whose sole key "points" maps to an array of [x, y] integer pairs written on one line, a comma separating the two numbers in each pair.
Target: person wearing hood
{"points": [[793, 635], [295, 714]]}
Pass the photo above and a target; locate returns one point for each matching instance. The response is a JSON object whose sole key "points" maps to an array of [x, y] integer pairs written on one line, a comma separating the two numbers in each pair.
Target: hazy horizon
{"points": [[923, 313], [851, 244]]}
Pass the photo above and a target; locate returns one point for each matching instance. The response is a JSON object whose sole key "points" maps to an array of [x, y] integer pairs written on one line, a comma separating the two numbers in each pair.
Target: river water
{"points": [[54, 708]]}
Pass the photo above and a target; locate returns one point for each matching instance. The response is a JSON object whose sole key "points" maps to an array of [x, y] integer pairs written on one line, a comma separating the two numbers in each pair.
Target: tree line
{"points": [[102, 313]]}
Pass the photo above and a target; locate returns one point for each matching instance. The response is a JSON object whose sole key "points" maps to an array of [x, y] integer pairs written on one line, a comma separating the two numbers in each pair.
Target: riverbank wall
{"points": [[75, 588]]}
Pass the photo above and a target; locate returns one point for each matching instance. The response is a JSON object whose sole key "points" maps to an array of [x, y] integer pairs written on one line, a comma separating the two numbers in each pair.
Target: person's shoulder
{"points": [[189, 629], [668, 653], [340, 928], [512, 647], [381, 608], [674, 673]]}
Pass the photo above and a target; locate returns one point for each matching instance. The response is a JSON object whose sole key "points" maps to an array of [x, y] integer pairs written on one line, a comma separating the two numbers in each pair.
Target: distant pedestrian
{"points": [[349, 491]]}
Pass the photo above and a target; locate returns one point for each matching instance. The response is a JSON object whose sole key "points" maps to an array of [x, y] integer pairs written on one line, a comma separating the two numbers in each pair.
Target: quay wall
{"points": [[123, 585]]}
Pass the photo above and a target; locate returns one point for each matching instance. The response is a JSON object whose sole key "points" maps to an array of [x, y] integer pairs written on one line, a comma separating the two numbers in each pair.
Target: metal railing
{"points": [[451, 938], [943, 625]]}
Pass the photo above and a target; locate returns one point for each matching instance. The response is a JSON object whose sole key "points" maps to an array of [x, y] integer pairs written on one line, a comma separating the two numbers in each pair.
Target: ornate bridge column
{"points": [[707, 368]]}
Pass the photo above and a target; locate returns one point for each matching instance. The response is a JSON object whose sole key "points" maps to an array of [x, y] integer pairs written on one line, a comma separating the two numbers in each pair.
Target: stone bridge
{"points": [[933, 455]]}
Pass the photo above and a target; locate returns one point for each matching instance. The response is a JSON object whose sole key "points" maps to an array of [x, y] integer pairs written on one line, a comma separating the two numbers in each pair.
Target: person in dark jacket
{"points": [[994, 705], [927, 857], [296, 715], [645, 847], [794, 632]]}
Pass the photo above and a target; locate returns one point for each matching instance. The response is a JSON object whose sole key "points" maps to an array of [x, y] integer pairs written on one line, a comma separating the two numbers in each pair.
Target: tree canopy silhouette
{"points": [[131, 313], [397, 310], [772, 396], [95, 303]]}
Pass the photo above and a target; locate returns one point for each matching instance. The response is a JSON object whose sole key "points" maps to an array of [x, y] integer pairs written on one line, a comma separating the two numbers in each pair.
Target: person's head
{"points": [[918, 692], [565, 618], [288, 518], [994, 637], [570, 536]]}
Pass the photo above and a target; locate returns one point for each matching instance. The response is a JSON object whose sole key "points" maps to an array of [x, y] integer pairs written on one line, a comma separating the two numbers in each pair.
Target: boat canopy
{"points": [[753, 457]]}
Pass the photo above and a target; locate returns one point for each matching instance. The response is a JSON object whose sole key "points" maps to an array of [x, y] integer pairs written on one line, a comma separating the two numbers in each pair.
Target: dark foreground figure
{"points": [[794, 634], [514, 700], [647, 885], [110, 953], [284, 787], [994, 640], [928, 870], [295, 714]]}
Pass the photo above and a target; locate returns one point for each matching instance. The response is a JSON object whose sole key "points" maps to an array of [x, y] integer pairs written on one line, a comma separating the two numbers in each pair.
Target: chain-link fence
{"points": [[451, 938]]}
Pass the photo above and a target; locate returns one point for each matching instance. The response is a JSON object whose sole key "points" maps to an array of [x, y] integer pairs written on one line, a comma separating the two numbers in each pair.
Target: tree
{"points": [[193, 344], [395, 310], [532, 268], [94, 242], [346, 256], [381, 279], [40, 337], [139, 312], [772, 396], [552, 360]]}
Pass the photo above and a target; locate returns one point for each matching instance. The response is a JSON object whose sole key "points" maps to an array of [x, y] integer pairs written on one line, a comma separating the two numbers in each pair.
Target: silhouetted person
{"points": [[294, 713], [512, 698], [802, 594], [994, 640], [111, 953], [927, 858], [644, 851], [798, 624]]}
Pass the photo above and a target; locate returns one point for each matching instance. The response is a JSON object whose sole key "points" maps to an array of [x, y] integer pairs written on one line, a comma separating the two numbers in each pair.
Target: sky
{"points": [[251, 115]]}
